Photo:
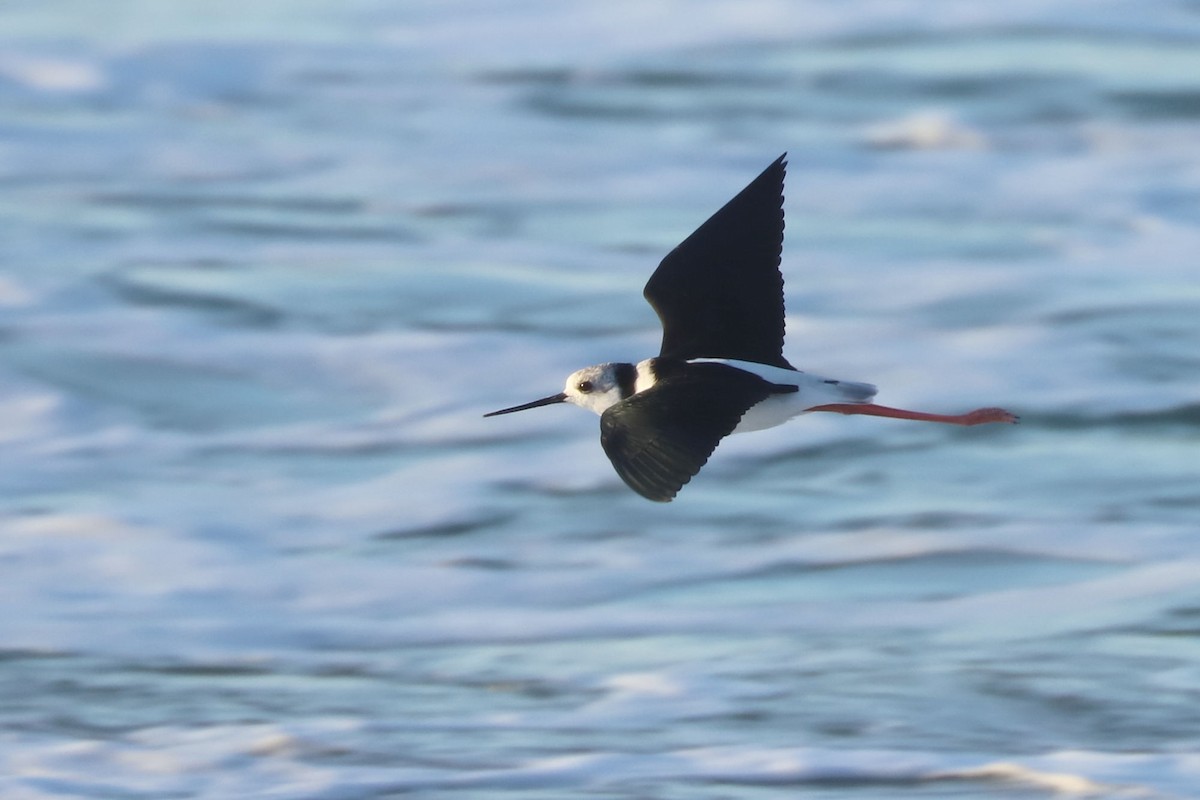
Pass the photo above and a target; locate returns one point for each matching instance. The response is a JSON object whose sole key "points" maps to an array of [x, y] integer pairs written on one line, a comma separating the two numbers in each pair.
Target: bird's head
{"points": [[595, 388]]}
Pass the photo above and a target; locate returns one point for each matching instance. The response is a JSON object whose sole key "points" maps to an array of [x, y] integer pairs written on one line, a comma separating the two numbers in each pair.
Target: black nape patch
{"points": [[626, 375]]}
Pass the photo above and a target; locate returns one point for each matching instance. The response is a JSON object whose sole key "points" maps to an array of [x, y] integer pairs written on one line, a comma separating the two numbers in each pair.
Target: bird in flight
{"points": [[720, 370]]}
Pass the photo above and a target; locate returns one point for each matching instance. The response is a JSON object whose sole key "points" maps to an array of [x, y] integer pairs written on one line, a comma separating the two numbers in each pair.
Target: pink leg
{"points": [[977, 417]]}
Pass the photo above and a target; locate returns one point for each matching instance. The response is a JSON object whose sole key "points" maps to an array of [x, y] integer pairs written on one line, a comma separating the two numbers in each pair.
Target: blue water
{"points": [[264, 265]]}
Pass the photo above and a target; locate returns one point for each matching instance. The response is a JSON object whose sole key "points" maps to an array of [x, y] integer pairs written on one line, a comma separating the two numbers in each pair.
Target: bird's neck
{"points": [[645, 375], [652, 370]]}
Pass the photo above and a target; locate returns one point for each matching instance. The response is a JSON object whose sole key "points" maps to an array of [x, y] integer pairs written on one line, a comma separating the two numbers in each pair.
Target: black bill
{"points": [[561, 397]]}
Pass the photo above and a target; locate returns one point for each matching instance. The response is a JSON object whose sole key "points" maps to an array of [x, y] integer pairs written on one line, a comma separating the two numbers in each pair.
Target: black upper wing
{"points": [[658, 439], [719, 294]]}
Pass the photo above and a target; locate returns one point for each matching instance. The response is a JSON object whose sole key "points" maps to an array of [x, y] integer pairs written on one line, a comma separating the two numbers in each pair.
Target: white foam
{"points": [[279, 759], [924, 130], [1009, 772], [883, 768], [13, 294], [645, 684], [51, 74]]}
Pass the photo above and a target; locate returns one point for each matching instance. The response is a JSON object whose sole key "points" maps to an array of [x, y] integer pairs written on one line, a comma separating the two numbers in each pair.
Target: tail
{"points": [[851, 391]]}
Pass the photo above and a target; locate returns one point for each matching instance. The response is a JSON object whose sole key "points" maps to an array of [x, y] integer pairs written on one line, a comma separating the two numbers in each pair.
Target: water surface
{"points": [[265, 265]]}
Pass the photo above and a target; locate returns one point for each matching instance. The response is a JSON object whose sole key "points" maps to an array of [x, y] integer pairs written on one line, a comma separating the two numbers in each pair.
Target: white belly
{"points": [[812, 390], [775, 410]]}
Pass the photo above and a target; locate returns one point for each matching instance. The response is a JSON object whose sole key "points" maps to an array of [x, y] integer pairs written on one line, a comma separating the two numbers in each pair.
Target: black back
{"points": [[658, 439], [719, 294]]}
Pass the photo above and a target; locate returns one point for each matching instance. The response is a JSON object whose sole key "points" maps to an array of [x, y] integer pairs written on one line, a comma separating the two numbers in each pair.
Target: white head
{"points": [[594, 388]]}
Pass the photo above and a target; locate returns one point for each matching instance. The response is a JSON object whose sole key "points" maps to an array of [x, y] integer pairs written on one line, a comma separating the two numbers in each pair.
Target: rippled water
{"points": [[264, 265]]}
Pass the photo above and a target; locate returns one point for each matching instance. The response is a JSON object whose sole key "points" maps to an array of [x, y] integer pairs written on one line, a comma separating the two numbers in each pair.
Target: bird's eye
{"points": [[584, 386]]}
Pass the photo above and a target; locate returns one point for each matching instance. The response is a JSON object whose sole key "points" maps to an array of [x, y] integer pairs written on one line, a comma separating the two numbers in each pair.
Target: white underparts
{"points": [[811, 391]]}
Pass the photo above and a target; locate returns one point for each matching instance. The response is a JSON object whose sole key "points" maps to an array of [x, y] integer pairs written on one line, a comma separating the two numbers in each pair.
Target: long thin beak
{"points": [[561, 397]]}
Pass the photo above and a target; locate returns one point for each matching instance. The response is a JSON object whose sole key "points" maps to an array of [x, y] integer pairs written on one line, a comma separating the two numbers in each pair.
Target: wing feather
{"points": [[719, 294], [659, 439]]}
